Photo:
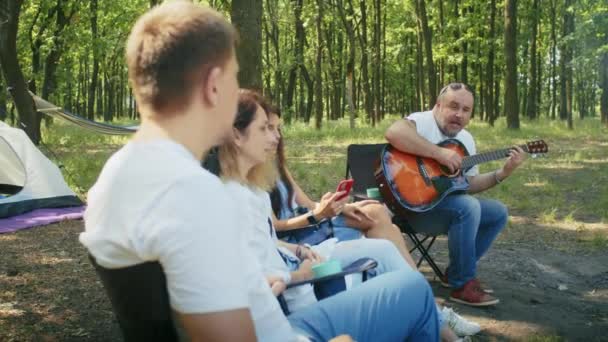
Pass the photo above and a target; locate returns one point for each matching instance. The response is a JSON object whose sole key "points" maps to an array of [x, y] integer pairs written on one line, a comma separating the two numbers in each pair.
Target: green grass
{"points": [[568, 185]]}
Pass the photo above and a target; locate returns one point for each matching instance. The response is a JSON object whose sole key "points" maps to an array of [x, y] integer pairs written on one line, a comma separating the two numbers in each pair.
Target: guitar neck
{"points": [[470, 161]]}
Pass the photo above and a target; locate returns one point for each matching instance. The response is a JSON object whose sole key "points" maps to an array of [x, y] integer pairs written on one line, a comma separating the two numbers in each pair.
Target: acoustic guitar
{"points": [[412, 183]]}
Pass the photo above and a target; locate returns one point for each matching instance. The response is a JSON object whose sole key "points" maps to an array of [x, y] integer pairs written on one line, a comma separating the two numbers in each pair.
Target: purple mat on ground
{"points": [[40, 217]]}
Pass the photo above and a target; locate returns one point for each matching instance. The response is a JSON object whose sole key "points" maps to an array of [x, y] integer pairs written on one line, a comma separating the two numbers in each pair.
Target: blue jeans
{"points": [[343, 232], [383, 251], [472, 225], [395, 306]]}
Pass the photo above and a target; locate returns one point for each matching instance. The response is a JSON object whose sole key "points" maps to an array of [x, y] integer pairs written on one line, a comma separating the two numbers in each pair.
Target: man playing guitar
{"points": [[471, 223]]}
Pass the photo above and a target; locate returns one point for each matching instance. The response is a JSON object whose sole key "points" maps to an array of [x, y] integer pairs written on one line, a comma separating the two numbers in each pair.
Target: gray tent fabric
{"points": [[28, 179], [52, 110]]}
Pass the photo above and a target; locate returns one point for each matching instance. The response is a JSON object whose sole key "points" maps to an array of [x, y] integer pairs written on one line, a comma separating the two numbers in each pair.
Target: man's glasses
{"points": [[456, 86]]}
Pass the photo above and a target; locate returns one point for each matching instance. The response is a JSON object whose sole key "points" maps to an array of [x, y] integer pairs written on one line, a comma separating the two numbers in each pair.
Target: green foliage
{"points": [[402, 86]]}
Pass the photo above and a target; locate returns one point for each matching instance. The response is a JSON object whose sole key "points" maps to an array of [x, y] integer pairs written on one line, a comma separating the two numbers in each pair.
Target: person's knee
{"points": [[501, 212], [377, 247], [470, 205], [413, 282], [377, 212]]}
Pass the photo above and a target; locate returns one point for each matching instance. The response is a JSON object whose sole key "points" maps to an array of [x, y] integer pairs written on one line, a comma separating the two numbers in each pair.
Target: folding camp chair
{"points": [[140, 299], [361, 161]]}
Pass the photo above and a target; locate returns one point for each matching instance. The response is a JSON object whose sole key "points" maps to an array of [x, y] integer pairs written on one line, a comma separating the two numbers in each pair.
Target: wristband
{"points": [[498, 181]]}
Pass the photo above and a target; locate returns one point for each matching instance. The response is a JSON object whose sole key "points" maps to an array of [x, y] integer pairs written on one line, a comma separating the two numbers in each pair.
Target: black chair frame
{"points": [[361, 161]]}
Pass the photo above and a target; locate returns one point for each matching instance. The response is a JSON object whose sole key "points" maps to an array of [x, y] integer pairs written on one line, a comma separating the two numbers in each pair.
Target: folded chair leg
{"points": [[419, 245]]}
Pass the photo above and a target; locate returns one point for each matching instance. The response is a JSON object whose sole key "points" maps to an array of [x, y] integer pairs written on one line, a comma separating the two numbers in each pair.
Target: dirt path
{"points": [[49, 292], [546, 294]]}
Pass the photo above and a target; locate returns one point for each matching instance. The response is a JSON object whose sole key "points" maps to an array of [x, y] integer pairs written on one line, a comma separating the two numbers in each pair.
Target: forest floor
{"points": [[548, 267]]}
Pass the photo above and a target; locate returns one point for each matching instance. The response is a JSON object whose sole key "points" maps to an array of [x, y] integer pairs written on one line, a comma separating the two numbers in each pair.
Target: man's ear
{"points": [[210, 87]]}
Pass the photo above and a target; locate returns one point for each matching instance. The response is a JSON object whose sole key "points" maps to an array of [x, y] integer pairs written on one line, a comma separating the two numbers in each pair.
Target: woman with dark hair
{"points": [[293, 209]]}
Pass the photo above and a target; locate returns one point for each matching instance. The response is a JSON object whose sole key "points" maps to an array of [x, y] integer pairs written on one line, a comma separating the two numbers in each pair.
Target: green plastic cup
{"points": [[327, 268], [373, 193]]}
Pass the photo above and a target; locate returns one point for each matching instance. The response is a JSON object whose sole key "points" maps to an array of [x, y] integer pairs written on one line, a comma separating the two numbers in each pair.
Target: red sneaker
{"points": [[445, 283], [472, 294]]}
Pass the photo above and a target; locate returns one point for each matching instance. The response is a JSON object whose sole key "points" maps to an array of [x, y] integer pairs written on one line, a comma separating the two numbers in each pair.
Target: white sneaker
{"points": [[459, 324], [464, 339]]}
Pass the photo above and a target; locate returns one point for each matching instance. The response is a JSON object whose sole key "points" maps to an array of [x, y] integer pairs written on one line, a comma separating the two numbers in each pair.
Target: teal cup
{"points": [[373, 193], [327, 268]]}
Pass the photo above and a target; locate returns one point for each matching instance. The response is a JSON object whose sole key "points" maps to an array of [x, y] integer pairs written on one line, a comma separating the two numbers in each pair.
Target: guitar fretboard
{"points": [[468, 162]]}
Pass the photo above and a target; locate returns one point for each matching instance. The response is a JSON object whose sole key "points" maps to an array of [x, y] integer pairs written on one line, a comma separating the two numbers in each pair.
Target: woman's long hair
{"points": [[281, 165], [261, 176]]}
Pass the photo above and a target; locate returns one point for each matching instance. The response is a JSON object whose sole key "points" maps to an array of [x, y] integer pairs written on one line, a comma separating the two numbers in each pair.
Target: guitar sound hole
{"points": [[446, 172]]}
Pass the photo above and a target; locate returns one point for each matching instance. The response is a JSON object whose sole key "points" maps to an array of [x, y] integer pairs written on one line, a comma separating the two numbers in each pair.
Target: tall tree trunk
{"points": [[553, 60], [52, 58], [376, 61], [464, 75], [299, 58], [522, 82], [604, 85], [531, 109], [367, 96], [2, 98], [347, 20], [100, 102], [95, 75], [274, 39], [9, 23], [539, 82], [566, 66], [428, 49], [511, 103], [383, 94], [421, 103], [306, 105], [441, 32], [246, 16], [491, 115], [36, 44], [319, 61]]}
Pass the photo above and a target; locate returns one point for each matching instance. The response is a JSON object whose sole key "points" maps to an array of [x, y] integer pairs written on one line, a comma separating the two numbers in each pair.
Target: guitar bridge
{"points": [[423, 172]]}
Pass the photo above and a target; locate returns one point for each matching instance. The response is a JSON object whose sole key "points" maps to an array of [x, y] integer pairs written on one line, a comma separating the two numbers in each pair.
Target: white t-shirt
{"points": [[154, 202], [262, 239], [426, 126]]}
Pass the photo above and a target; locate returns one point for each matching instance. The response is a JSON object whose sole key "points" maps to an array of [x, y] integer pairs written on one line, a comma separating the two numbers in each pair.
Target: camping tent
{"points": [[29, 180]]}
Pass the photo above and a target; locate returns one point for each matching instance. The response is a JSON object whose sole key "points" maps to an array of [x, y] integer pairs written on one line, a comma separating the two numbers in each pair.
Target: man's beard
{"points": [[446, 133]]}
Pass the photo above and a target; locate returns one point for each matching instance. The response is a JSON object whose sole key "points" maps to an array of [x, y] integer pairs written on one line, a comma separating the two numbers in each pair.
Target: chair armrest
{"points": [[359, 266], [310, 228]]}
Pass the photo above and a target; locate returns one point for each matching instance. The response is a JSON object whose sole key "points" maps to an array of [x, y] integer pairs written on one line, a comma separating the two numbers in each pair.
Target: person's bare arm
{"points": [[231, 325], [300, 196], [487, 180], [289, 224], [328, 207], [403, 136]]}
